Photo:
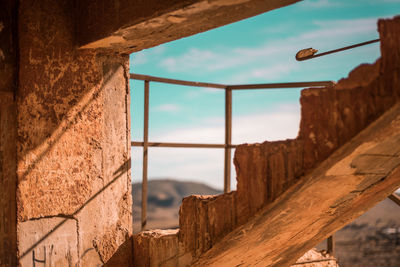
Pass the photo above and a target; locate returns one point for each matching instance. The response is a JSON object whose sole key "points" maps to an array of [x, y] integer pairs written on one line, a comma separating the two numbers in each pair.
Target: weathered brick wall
{"points": [[265, 170], [73, 143], [332, 116]]}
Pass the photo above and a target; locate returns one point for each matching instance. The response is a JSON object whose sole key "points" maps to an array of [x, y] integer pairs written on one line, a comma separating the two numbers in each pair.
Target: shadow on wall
{"points": [[118, 256], [83, 102]]}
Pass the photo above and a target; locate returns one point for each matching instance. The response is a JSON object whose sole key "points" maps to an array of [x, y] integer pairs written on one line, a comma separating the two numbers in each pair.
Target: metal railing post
{"points": [[228, 125], [395, 198], [145, 153], [228, 140], [331, 245]]}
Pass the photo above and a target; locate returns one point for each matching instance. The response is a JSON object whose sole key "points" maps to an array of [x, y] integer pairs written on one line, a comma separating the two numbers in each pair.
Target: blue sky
{"points": [[256, 50]]}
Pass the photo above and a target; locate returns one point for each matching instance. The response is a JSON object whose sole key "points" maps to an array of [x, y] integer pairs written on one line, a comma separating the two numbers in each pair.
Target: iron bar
{"points": [[281, 85], [181, 145], [145, 153], [334, 51], [228, 140], [395, 198], [173, 81], [331, 245]]}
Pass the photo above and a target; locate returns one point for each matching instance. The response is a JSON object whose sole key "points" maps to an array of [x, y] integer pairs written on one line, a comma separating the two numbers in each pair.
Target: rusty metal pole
{"points": [[228, 140], [395, 198], [145, 153], [331, 245], [309, 53]]}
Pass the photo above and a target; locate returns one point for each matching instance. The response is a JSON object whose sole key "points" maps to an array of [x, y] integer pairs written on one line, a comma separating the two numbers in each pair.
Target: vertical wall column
{"points": [[8, 161], [8, 128], [73, 149]]}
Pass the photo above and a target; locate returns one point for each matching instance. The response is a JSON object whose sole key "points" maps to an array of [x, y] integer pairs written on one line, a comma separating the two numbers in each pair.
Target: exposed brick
{"points": [[156, 248]]}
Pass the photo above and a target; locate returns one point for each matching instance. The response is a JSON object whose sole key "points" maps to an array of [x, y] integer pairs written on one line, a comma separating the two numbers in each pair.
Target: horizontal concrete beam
{"points": [[352, 180], [133, 25]]}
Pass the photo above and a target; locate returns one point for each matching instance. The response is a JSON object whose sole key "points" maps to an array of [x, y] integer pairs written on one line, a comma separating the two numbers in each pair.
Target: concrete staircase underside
{"points": [[356, 177], [293, 194]]}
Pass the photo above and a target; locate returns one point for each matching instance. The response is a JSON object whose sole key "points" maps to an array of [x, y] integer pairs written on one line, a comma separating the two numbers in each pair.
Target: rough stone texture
{"points": [[73, 141], [266, 170], [203, 220], [331, 117], [8, 180], [139, 24], [156, 248], [52, 241], [351, 181]]}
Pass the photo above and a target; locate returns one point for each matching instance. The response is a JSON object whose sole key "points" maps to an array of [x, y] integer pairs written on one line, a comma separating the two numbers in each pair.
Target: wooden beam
{"points": [[133, 25], [352, 180]]}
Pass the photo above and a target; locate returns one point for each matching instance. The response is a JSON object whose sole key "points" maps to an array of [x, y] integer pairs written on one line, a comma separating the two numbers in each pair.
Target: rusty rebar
{"points": [[310, 52]]}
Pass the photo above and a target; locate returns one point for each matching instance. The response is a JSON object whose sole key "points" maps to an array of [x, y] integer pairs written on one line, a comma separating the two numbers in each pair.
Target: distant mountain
{"points": [[164, 199]]}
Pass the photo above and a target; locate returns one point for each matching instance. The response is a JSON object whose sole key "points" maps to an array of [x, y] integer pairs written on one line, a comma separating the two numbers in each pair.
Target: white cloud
{"points": [[168, 108], [206, 165], [200, 60], [143, 57], [273, 72], [333, 29], [266, 59], [139, 58], [277, 125]]}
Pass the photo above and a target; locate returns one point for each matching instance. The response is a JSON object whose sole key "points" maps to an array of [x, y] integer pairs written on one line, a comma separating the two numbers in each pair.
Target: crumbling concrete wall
{"points": [[73, 143], [8, 127], [329, 118]]}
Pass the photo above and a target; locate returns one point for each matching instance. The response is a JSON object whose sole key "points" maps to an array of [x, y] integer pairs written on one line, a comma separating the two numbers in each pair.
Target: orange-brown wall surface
{"points": [[73, 143], [8, 127]]}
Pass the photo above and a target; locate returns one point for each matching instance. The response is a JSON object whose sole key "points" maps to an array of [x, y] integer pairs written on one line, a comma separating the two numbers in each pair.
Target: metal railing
{"points": [[228, 124], [228, 128]]}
